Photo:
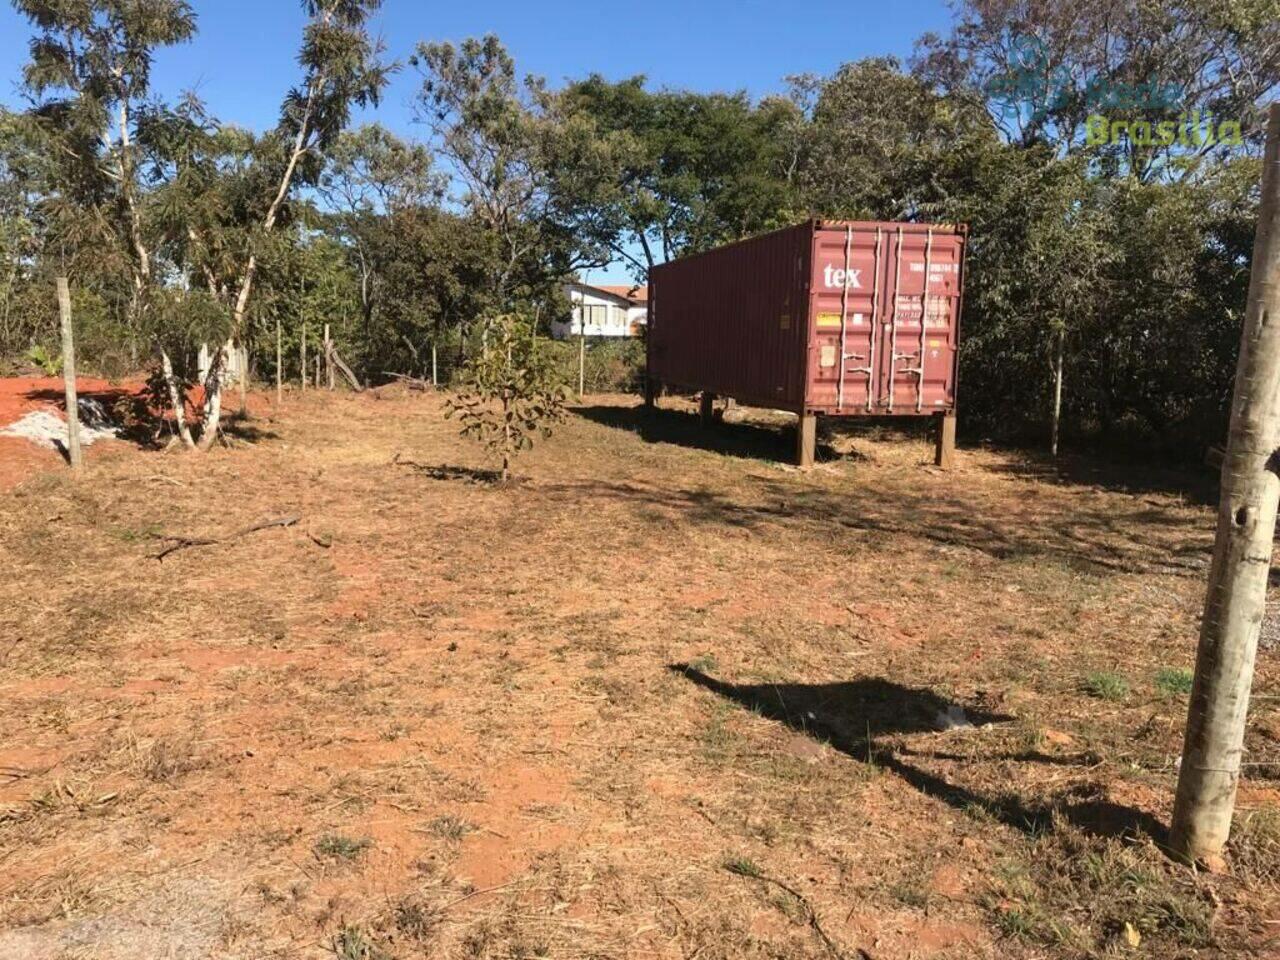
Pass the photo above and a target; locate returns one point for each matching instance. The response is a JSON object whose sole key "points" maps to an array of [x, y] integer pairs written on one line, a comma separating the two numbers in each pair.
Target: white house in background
{"points": [[608, 310]]}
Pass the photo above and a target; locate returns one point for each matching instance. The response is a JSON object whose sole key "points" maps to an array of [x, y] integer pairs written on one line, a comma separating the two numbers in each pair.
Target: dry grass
{"points": [[443, 718]]}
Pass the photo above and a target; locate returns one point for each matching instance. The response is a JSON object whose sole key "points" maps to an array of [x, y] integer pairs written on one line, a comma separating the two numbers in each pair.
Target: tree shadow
{"points": [[444, 471], [1091, 537], [737, 439], [1134, 477], [852, 715], [239, 427]]}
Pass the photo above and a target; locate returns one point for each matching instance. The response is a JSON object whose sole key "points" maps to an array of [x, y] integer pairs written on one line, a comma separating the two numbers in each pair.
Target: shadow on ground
{"points": [[1131, 477], [1112, 537], [855, 716], [445, 471], [737, 439]]}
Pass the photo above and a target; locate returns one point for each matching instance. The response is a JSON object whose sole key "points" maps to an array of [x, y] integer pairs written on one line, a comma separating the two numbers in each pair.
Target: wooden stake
{"points": [[435, 382], [706, 408], [1236, 597], [279, 364], [242, 362], [328, 356], [74, 453], [303, 364], [944, 454]]}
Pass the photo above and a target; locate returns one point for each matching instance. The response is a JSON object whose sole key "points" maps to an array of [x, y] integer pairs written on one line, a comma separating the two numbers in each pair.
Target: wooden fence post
{"points": [[279, 364], [328, 356], [74, 453], [1236, 597]]}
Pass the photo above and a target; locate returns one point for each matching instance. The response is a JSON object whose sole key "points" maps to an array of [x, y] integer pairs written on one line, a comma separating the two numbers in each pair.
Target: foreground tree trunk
{"points": [[1236, 597]]}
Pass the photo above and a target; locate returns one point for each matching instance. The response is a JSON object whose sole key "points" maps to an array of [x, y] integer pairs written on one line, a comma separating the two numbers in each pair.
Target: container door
{"points": [[847, 284], [916, 372]]}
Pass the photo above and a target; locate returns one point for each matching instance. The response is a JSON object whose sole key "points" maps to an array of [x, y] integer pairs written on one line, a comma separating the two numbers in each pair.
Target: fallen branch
{"points": [[413, 383], [182, 543], [351, 378], [744, 868]]}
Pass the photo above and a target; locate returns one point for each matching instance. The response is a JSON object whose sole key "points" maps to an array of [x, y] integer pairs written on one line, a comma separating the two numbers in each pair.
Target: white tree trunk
{"points": [[213, 399], [176, 400], [1237, 593]]}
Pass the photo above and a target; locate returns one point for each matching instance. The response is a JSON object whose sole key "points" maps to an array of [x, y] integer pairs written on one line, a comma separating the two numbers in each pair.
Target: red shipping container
{"points": [[830, 318]]}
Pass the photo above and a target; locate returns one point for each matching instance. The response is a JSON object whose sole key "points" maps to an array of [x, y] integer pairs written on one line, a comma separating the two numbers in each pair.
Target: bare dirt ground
{"points": [[664, 697]]}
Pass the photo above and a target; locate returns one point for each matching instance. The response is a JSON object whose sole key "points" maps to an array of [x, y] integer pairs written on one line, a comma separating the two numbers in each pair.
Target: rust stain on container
{"points": [[838, 318]]}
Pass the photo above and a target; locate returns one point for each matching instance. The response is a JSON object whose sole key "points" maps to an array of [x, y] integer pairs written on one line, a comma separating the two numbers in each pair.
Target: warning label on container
{"points": [[833, 320]]}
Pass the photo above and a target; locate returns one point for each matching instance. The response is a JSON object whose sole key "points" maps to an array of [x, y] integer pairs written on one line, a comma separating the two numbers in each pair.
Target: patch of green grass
{"points": [[1106, 685], [450, 827], [1082, 895], [334, 846], [1172, 681], [704, 663], [352, 943], [717, 737], [742, 867]]}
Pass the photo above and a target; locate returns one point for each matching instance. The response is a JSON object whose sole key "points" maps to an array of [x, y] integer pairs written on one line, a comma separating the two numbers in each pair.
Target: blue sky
{"points": [[242, 59]]}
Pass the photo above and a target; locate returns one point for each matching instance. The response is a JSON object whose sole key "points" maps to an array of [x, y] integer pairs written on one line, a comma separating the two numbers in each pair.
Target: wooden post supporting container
{"points": [[74, 454], [1236, 597], [944, 454], [706, 408], [806, 439]]}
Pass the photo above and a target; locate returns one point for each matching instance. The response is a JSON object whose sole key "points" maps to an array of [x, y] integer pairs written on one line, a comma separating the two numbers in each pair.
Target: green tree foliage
{"points": [[674, 172], [1116, 271], [372, 178], [510, 392]]}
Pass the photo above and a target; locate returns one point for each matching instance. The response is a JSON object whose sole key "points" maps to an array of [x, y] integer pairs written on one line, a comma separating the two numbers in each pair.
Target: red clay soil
{"points": [[20, 458]]}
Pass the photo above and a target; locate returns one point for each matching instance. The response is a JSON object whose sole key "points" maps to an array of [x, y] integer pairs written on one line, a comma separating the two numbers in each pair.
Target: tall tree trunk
{"points": [[1236, 598], [273, 211]]}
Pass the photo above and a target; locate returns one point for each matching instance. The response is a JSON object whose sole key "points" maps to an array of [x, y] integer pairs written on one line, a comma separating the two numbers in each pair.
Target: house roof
{"points": [[623, 291], [632, 292]]}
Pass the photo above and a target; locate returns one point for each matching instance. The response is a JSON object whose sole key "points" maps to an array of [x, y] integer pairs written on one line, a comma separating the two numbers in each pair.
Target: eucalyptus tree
{"points": [[481, 122], [370, 176], [89, 82], [342, 68], [18, 229]]}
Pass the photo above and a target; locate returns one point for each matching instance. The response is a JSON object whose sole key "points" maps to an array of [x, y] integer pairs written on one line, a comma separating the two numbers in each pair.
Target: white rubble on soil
{"points": [[954, 719], [47, 426]]}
